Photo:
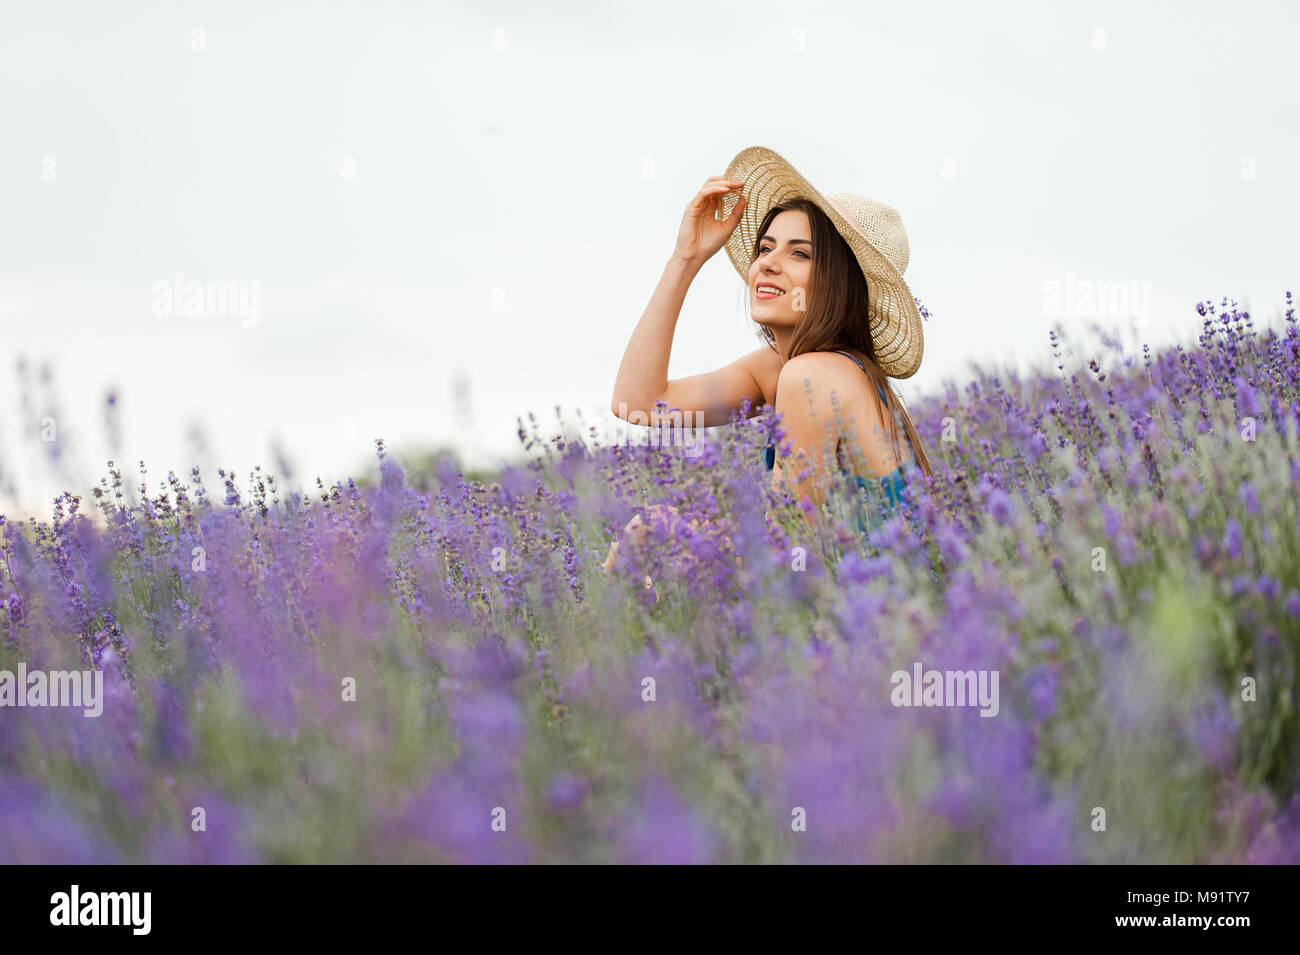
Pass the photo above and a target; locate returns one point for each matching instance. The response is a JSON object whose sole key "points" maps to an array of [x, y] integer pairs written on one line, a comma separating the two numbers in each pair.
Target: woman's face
{"points": [[784, 261]]}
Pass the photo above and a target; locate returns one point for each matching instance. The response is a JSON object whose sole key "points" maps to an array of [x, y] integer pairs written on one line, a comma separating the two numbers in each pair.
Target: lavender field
{"points": [[436, 669]]}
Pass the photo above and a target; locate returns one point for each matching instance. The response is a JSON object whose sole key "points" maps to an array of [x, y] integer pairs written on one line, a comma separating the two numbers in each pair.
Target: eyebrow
{"points": [[768, 238]]}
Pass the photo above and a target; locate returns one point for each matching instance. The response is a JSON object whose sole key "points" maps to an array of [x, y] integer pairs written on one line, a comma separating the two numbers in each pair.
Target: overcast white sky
{"points": [[488, 192]]}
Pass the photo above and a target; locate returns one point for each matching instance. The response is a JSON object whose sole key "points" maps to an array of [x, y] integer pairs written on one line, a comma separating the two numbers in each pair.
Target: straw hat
{"points": [[873, 230]]}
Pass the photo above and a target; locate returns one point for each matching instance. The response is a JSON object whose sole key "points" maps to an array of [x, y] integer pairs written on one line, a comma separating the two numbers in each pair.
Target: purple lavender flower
{"points": [[1247, 399], [1232, 538], [566, 791], [1250, 497], [664, 830], [1214, 731], [1112, 521], [171, 730], [457, 818], [227, 836], [999, 505], [1042, 685]]}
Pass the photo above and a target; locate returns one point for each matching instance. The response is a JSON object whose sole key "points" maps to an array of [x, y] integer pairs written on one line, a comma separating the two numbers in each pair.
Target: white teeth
{"points": [[769, 288]]}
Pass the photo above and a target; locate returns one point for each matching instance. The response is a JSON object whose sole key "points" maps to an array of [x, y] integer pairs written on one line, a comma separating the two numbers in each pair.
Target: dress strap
{"points": [[854, 360], [879, 389]]}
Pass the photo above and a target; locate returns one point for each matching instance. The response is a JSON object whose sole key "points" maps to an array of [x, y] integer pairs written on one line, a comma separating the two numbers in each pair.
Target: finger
{"points": [[736, 211], [719, 189], [708, 196]]}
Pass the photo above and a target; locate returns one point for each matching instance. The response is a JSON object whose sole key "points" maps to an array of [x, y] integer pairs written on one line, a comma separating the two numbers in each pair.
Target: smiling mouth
{"points": [[768, 291]]}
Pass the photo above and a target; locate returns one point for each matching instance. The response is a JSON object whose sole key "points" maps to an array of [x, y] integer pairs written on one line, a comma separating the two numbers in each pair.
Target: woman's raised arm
{"points": [[642, 376]]}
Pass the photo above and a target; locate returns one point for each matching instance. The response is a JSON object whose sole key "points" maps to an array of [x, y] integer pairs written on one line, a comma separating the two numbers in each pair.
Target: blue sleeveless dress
{"points": [[893, 485]]}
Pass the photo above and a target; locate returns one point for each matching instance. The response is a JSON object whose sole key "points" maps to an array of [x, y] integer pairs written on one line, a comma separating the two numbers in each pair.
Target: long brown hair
{"points": [[836, 317]]}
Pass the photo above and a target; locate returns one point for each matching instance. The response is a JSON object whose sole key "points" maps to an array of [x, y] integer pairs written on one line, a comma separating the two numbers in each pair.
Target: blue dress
{"points": [[893, 485]]}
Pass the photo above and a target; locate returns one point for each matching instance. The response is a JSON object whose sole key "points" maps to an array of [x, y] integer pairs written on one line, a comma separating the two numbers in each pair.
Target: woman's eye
{"points": [[764, 248]]}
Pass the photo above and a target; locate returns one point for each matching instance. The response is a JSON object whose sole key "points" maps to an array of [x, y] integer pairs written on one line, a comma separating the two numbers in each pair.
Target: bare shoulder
{"points": [[826, 384], [821, 370], [764, 364]]}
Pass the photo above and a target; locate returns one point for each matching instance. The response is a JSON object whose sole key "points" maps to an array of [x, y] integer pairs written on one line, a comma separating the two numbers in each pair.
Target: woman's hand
{"points": [[635, 531], [702, 233]]}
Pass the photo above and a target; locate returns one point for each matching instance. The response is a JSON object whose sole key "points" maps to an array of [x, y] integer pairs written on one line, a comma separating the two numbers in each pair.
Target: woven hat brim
{"points": [[892, 313]]}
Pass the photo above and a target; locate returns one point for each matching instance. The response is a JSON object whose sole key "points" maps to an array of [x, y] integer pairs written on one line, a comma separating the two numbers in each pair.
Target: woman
{"points": [[826, 291]]}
